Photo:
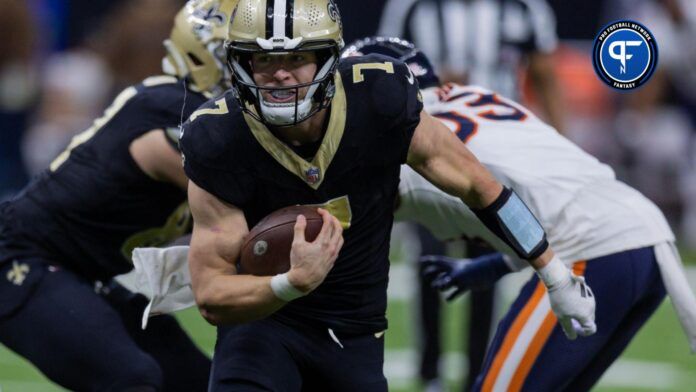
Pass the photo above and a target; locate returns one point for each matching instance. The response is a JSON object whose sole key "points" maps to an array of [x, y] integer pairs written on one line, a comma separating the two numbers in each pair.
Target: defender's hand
{"points": [[571, 299], [310, 262], [478, 273]]}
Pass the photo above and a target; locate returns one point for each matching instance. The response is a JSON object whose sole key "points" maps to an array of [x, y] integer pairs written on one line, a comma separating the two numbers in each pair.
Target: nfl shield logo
{"points": [[312, 175]]}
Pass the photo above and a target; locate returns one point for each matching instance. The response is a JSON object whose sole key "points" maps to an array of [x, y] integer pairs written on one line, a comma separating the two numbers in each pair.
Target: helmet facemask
{"points": [[319, 93]]}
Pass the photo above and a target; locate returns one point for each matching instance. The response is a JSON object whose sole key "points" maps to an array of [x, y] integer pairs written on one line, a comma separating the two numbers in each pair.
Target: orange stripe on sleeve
{"points": [[512, 335]]}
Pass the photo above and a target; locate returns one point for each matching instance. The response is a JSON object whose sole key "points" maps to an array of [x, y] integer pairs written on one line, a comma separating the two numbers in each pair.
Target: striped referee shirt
{"points": [[485, 39]]}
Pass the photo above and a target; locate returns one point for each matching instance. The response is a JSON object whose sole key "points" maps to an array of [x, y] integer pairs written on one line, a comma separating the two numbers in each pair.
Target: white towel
{"points": [[162, 275], [678, 288]]}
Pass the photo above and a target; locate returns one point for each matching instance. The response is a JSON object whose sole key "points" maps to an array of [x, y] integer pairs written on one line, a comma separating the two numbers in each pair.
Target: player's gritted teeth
{"points": [[278, 73], [280, 96]]}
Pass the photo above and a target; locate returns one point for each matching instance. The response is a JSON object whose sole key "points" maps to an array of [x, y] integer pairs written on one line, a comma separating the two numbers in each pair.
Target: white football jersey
{"points": [[584, 209]]}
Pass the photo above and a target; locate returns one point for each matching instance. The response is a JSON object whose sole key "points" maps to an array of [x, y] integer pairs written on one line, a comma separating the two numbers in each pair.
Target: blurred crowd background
{"points": [[62, 61]]}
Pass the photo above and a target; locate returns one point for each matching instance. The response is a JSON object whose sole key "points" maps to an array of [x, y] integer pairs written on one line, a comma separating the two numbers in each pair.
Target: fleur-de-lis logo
{"points": [[204, 20], [212, 15], [333, 11], [18, 273]]}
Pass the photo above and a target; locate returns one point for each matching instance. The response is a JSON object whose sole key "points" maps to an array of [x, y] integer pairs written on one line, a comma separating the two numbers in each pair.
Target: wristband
{"points": [[554, 274], [512, 221], [283, 289]]}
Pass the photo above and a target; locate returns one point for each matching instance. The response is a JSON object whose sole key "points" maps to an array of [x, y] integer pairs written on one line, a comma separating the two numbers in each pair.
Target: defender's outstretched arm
{"points": [[439, 156]]}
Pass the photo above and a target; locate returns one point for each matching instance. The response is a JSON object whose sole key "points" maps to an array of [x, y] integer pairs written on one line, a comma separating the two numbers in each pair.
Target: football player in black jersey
{"points": [[117, 186], [300, 127]]}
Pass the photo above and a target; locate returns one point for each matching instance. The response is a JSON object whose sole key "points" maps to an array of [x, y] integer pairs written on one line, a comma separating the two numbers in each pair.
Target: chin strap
{"points": [[284, 115]]}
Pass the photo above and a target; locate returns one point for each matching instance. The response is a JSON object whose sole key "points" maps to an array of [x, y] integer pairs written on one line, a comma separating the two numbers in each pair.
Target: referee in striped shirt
{"points": [[491, 43]]}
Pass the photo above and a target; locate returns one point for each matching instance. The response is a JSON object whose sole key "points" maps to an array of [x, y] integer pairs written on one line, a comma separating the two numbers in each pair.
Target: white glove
{"points": [[572, 301]]}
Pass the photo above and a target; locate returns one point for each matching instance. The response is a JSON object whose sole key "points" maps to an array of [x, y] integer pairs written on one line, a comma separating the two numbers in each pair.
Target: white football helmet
{"points": [[283, 26], [195, 48]]}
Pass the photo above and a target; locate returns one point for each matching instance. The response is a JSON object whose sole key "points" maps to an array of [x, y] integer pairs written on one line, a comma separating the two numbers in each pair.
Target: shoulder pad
{"points": [[162, 91], [212, 132], [385, 82], [370, 68]]}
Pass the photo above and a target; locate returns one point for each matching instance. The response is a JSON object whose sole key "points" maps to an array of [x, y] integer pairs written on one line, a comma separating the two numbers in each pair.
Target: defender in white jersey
{"points": [[613, 235], [588, 212]]}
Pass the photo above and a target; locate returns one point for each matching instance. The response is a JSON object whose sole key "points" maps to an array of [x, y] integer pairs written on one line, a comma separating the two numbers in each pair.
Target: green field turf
{"points": [[657, 359], [659, 349]]}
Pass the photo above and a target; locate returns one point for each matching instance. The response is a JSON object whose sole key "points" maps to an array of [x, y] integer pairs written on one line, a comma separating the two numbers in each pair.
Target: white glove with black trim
{"points": [[572, 300]]}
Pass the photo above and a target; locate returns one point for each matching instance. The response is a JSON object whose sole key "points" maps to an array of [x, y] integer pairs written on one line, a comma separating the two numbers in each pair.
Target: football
{"points": [[266, 249]]}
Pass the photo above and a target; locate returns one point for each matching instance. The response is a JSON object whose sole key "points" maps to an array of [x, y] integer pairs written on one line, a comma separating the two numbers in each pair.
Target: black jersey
{"points": [[94, 204], [354, 174]]}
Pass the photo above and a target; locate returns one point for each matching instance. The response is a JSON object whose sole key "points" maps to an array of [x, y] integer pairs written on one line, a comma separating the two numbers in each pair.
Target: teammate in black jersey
{"points": [[301, 128], [118, 185]]}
